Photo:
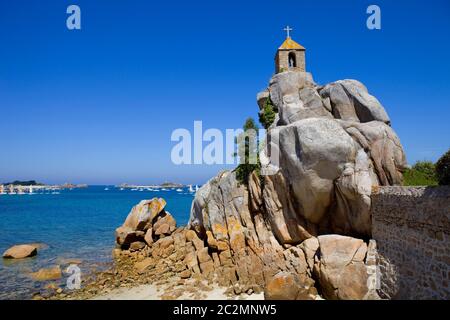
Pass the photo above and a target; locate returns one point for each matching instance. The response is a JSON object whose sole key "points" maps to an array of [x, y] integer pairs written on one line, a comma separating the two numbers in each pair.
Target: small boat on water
{"points": [[106, 189], [164, 189], [191, 189], [121, 189], [179, 190]]}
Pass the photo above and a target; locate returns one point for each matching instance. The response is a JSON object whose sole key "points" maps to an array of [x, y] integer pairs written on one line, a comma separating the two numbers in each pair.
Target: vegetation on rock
{"points": [[23, 183], [267, 115], [247, 143]]}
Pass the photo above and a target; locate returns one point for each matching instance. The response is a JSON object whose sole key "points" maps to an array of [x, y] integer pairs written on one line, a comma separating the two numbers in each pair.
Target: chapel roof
{"points": [[289, 44]]}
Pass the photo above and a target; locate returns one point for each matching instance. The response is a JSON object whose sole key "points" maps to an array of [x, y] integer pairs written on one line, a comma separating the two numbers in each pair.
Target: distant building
{"points": [[290, 55]]}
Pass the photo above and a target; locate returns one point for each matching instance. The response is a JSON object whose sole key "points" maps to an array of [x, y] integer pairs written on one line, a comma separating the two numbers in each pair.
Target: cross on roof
{"points": [[288, 29]]}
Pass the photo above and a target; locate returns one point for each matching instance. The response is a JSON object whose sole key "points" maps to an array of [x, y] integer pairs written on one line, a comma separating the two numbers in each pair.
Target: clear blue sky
{"points": [[99, 105]]}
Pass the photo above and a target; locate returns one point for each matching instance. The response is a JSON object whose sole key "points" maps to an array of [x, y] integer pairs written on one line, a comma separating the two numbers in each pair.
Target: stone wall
{"points": [[282, 60], [411, 226]]}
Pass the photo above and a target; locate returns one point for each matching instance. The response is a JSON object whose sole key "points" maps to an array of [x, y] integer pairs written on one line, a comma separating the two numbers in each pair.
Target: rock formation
{"points": [[299, 231], [334, 144], [146, 221]]}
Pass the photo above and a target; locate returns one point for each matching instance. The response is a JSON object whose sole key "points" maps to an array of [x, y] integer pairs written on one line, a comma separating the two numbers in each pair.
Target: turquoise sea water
{"points": [[75, 224]]}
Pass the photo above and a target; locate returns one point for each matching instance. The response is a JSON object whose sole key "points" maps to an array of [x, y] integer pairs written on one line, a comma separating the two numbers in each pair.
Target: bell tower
{"points": [[290, 55]]}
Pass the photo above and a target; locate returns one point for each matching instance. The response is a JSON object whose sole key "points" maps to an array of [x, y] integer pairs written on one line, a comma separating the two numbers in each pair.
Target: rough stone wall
{"points": [[411, 226], [282, 60]]}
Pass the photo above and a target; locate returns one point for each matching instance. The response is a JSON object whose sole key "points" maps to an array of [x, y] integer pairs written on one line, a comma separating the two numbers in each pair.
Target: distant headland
{"points": [[31, 186], [162, 185]]}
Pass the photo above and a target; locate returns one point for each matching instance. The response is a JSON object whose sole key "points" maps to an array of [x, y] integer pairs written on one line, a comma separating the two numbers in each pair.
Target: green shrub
{"points": [[247, 151], [267, 114], [422, 173], [443, 169]]}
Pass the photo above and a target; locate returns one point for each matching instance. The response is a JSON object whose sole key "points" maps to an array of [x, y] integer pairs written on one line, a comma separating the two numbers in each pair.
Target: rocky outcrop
{"points": [[241, 251], [20, 251], [297, 232], [146, 222], [334, 144], [332, 264]]}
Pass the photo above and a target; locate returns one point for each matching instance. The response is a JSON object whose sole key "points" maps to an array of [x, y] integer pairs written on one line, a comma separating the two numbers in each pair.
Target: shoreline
{"points": [[175, 291], [124, 280]]}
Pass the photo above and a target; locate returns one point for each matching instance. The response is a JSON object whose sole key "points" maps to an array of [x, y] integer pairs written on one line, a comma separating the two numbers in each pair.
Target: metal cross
{"points": [[287, 29]]}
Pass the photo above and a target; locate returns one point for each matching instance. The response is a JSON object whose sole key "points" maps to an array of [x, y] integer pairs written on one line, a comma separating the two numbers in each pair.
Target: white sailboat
{"points": [[190, 188], [196, 187]]}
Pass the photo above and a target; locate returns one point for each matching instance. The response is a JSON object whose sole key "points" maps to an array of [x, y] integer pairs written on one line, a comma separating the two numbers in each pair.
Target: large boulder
{"points": [[341, 270], [146, 221], [142, 215], [384, 150], [290, 286], [313, 153], [334, 144], [20, 251], [295, 97], [326, 179], [45, 274], [351, 101]]}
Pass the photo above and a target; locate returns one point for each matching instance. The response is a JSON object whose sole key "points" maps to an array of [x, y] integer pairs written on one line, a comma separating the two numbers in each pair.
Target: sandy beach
{"points": [[187, 291]]}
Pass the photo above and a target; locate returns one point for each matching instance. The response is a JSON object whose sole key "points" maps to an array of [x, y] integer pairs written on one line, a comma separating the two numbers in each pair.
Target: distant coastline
{"points": [[31, 186], [163, 185]]}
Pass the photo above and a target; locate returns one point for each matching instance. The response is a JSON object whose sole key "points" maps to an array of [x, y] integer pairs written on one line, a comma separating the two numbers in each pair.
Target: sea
{"points": [[70, 225]]}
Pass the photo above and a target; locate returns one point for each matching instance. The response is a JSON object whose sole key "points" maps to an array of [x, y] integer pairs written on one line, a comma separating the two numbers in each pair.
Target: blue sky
{"points": [[98, 105]]}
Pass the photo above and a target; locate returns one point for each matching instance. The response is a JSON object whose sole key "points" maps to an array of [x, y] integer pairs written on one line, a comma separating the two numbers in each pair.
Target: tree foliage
{"points": [[247, 143], [443, 169], [267, 114], [422, 173]]}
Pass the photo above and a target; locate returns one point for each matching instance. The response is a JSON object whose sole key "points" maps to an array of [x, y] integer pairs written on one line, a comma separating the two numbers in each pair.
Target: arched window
{"points": [[292, 60]]}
